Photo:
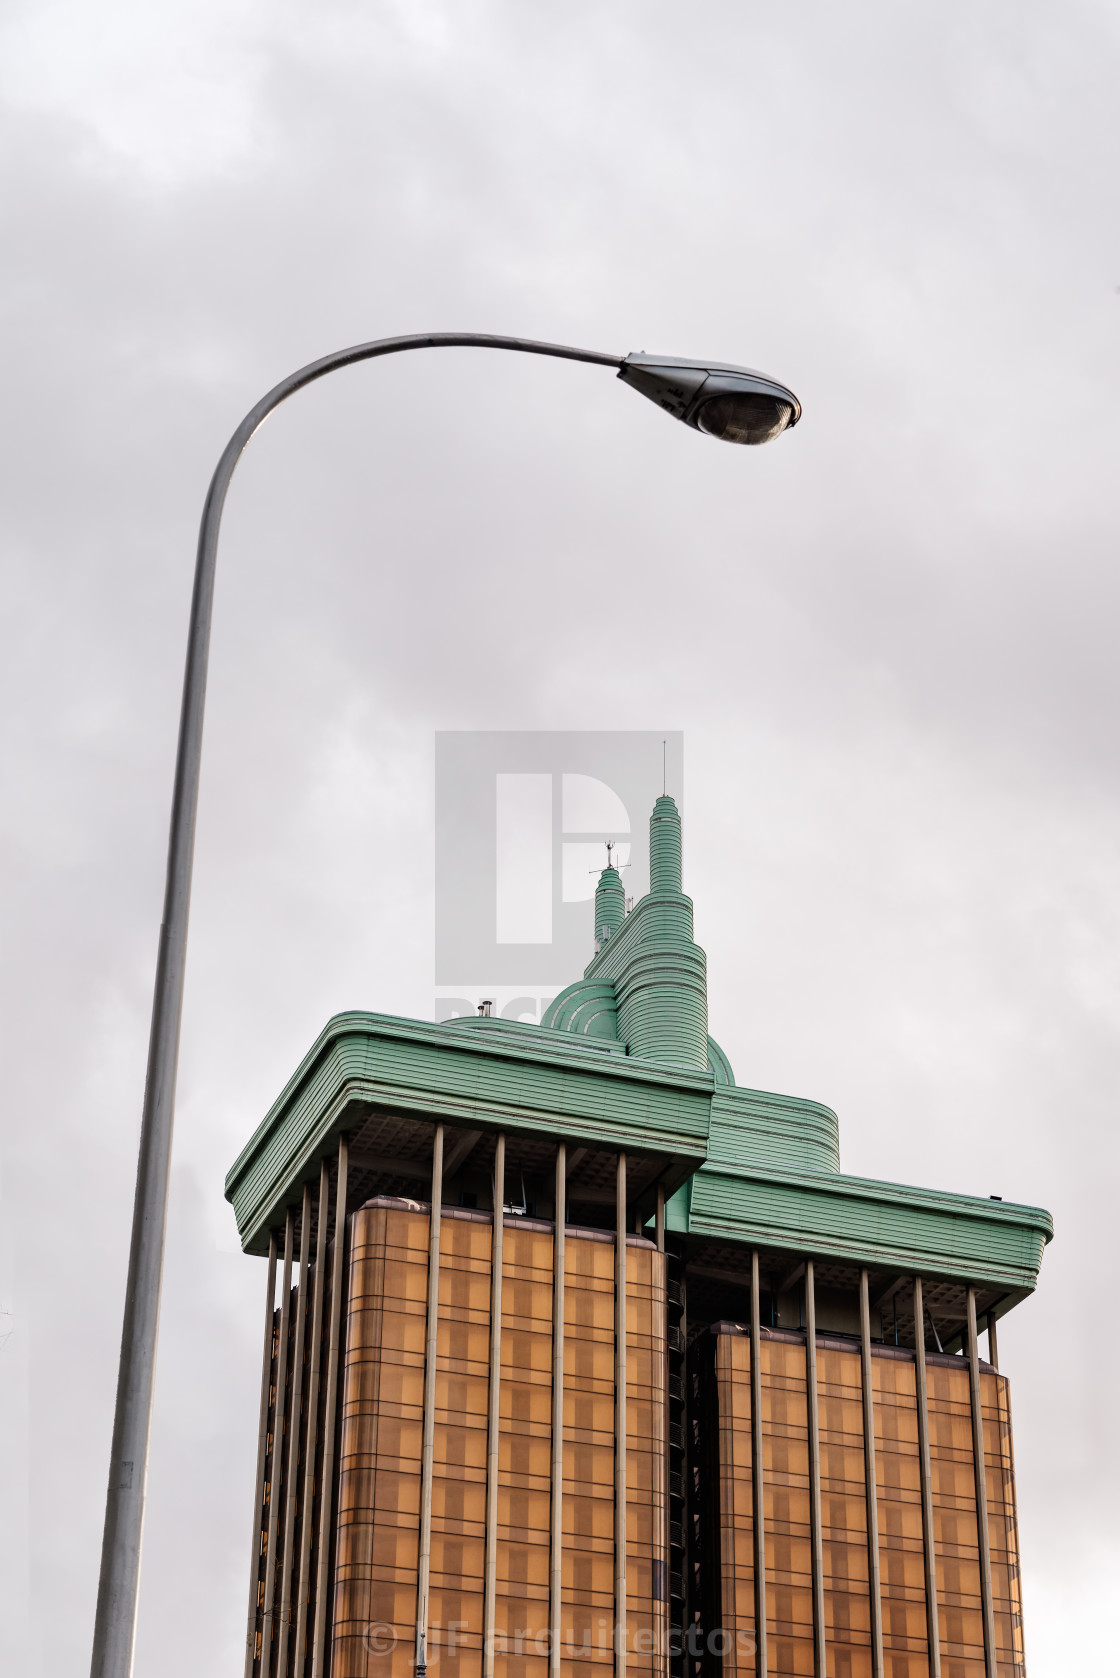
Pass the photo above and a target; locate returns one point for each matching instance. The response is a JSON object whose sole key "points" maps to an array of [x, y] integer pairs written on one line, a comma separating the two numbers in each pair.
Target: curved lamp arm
{"points": [[734, 403]]}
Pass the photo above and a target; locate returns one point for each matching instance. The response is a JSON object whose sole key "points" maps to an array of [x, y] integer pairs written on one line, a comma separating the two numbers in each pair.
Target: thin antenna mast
{"points": [[612, 846]]}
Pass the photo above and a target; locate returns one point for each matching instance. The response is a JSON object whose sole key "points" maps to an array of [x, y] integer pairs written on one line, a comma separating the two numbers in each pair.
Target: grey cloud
{"points": [[888, 638]]}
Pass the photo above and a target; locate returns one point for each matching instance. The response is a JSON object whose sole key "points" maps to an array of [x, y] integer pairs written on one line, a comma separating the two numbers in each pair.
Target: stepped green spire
{"points": [[665, 846], [647, 982]]}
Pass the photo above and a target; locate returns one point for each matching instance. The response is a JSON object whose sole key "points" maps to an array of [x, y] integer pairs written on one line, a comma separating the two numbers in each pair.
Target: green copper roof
{"points": [[623, 1061]]}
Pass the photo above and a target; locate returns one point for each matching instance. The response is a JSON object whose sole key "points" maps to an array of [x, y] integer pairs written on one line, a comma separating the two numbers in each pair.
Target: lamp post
{"points": [[724, 401]]}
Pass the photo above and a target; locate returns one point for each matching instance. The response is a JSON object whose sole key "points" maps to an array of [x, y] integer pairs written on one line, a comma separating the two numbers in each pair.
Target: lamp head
{"points": [[734, 403]]}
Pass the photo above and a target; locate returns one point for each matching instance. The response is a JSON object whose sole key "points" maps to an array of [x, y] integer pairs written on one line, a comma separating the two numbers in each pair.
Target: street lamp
{"points": [[724, 401]]}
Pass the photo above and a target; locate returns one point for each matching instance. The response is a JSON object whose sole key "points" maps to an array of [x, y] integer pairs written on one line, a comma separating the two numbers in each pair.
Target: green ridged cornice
{"points": [[755, 1127], [855, 1220], [514, 1078], [767, 1164]]}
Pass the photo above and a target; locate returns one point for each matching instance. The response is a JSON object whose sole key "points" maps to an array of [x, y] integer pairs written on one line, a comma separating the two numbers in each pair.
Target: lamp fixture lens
{"points": [[736, 404], [744, 417]]}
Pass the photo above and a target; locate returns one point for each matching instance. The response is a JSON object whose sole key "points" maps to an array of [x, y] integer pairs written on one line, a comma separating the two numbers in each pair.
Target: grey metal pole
{"points": [[661, 1458], [320, 1654], [493, 1410], [983, 1538], [929, 1536], [758, 1490], [874, 1582], [276, 1463], [620, 1568], [114, 1632], [262, 1456], [312, 1443], [291, 1472], [556, 1473], [820, 1631], [428, 1441]]}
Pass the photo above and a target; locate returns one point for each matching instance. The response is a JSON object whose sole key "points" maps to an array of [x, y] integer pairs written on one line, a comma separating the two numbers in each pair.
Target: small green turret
{"points": [[610, 905]]}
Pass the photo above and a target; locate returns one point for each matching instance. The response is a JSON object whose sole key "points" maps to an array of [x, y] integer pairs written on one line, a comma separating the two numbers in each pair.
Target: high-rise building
{"points": [[587, 1362]]}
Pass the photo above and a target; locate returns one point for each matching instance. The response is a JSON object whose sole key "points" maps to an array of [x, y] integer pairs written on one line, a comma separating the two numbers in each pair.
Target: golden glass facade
{"points": [[954, 1502], [846, 1570], [378, 1531], [646, 1555], [338, 1570], [901, 1545], [844, 1512], [374, 1613], [499, 1436]]}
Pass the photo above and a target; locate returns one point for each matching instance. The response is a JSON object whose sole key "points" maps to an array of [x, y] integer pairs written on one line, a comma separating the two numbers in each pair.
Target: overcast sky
{"points": [[889, 638]]}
